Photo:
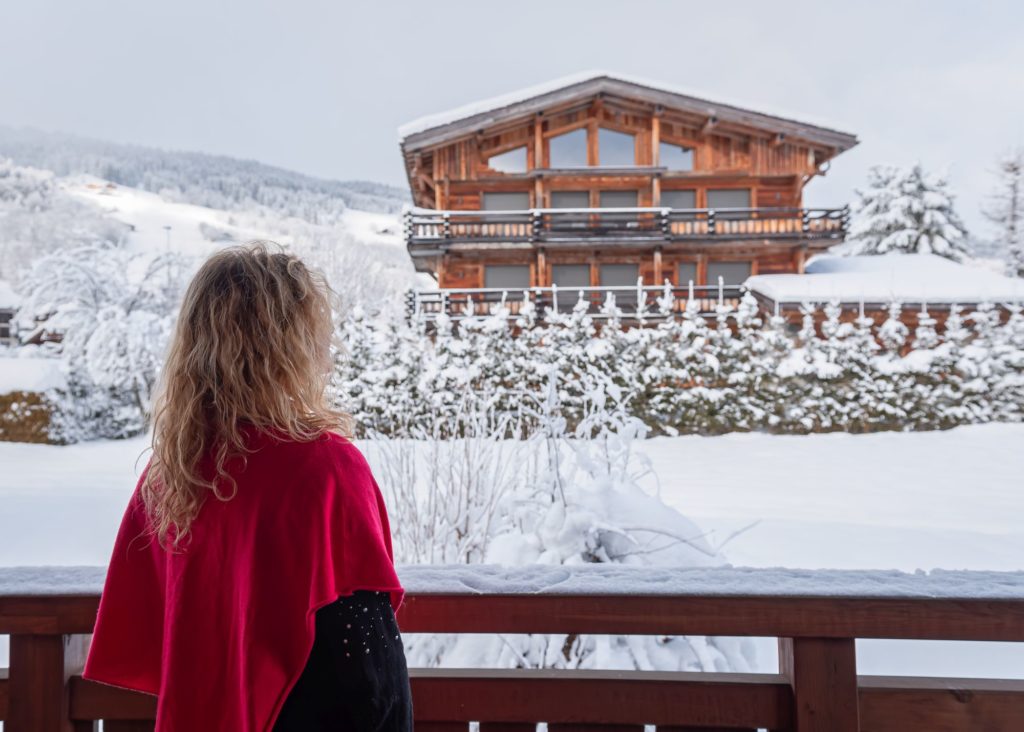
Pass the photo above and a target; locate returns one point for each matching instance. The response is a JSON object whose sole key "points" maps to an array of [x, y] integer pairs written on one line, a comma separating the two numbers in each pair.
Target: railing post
{"points": [[535, 222], [666, 224], [805, 220], [844, 219], [823, 675], [711, 222], [40, 666], [447, 225]]}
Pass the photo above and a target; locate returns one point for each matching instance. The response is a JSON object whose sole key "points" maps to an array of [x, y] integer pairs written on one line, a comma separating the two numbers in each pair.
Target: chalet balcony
{"points": [[817, 617], [639, 302], [427, 231]]}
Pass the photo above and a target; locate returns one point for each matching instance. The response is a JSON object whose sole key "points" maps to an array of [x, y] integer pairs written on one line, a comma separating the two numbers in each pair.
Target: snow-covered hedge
{"points": [[690, 375]]}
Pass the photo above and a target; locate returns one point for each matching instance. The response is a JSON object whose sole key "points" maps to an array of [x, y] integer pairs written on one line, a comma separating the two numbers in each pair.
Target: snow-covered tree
{"points": [[1005, 209], [906, 211], [114, 310]]}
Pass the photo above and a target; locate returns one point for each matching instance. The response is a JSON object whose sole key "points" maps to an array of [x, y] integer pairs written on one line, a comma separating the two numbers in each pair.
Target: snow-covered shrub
{"points": [[688, 375], [114, 310], [907, 211]]}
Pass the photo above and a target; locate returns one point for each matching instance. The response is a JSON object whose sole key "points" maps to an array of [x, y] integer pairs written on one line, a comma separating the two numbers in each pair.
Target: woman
{"points": [[252, 585]]}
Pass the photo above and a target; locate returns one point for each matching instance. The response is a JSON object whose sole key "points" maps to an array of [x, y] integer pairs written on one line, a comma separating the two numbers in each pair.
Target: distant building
{"points": [[8, 307], [600, 181]]}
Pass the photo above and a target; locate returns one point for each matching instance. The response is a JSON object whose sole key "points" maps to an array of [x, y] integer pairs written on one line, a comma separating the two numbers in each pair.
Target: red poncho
{"points": [[222, 631]]}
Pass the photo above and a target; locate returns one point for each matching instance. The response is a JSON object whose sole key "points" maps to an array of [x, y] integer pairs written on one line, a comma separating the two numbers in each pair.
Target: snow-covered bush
{"points": [[114, 310], [907, 211], [688, 375]]}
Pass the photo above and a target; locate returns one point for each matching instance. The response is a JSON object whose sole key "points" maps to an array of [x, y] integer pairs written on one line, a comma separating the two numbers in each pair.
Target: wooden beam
{"points": [[778, 139], [823, 675], [709, 125], [897, 704], [538, 142]]}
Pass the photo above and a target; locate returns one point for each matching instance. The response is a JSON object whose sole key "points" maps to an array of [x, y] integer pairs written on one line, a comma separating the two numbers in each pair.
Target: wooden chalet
{"points": [[599, 182]]}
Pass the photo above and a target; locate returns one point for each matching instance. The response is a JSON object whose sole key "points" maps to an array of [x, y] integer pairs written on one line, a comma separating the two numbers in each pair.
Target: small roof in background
{"points": [[909, 278], [443, 126]]}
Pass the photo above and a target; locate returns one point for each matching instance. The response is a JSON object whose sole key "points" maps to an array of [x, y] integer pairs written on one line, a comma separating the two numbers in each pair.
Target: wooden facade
{"points": [[602, 172]]}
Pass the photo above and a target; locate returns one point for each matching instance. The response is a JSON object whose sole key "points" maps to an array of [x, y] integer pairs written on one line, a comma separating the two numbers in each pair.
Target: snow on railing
{"points": [[615, 579]]}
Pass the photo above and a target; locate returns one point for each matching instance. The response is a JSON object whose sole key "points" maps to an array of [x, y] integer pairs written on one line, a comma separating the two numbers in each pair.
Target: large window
{"points": [[729, 198], [506, 201], [679, 199], [732, 273], [675, 157], [513, 161], [507, 276], [615, 148], [618, 199], [568, 150], [686, 272], [621, 275], [569, 278], [570, 199]]}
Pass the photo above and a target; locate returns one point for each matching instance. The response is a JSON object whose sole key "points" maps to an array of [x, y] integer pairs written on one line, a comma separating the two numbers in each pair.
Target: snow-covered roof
{"points": [[29, 374], [908, 278], [8, 298], [495, 109]]}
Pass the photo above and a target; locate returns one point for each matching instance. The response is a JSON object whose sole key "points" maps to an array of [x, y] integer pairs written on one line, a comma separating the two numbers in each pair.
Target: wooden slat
{"points": [[5, 693], [605, 697], [898, 704], [92, 700], [823, 675], [122, 726], [36, 685], [909, 618]]}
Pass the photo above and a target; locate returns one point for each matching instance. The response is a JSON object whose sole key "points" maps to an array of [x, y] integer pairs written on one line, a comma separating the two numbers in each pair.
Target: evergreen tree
{"points": [[1006, 209], [907, 211]]}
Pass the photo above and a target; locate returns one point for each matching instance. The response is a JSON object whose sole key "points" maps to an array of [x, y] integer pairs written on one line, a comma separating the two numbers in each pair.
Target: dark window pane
{"points": [[729, 198], [513, 161], [618, 199], [569, 278], [732, 273], [686, 273], [675, 157], [507, 276], [570, 199], [679, 199], [506, 201], [568, 150], [616, 148], [619, 275]]}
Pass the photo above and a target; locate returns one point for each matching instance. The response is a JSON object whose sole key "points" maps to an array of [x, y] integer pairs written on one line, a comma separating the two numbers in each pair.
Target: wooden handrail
{"points": [[817, 688]]}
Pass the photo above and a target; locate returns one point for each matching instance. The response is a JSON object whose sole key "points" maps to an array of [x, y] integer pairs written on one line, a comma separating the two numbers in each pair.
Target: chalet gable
{"points": [[630, 94]]}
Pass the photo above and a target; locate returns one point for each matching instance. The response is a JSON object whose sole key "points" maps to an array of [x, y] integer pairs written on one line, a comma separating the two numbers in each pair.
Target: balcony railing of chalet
{"points": [[815, 615], [632, 301], [565, 225]]}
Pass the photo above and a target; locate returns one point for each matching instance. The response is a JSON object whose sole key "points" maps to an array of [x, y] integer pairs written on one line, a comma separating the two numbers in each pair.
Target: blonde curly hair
{"points": [[252, 344]]}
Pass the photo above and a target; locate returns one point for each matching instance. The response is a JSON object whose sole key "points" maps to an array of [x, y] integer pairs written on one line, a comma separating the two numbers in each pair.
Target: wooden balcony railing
{"points": [[631, 300], [816, 615], [427, 228]]}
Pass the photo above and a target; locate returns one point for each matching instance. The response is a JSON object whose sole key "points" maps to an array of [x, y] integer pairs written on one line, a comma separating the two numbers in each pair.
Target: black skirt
{"points": [[356, 677]]}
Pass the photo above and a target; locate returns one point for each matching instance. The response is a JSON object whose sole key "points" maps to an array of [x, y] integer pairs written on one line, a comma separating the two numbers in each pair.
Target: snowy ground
{"points": [[904, 501]]}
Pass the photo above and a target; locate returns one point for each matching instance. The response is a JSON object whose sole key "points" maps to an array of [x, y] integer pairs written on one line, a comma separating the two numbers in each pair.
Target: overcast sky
{"points": [[321, 87]]}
